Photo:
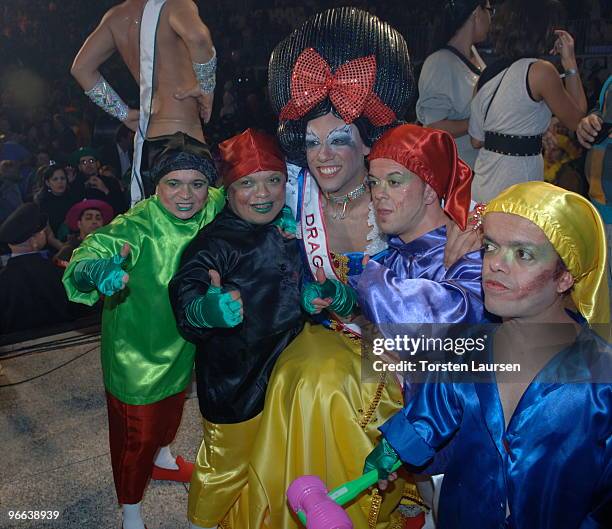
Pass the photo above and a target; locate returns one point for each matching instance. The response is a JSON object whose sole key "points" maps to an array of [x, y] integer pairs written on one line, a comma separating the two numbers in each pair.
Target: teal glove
{"points": [[104, 274], [383, 458], [216, 309], [286, 221], [344, 298]]}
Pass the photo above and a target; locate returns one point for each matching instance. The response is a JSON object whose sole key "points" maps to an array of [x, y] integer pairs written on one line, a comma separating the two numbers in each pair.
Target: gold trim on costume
{"points": [[340, 264], [374, 509], [367, 416], [411, 493], [336, 326]]}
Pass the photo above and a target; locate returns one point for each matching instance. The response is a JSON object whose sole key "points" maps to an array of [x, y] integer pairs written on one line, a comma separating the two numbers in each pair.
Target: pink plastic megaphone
{"points": [[308, 498]]}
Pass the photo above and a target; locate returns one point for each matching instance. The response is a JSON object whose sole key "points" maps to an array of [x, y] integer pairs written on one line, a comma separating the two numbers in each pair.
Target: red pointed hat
{"points": [[248, 153], [432, 155]]}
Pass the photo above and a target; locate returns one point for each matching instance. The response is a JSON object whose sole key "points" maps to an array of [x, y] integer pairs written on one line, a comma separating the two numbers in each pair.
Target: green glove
{"points": [[344, 298], [383, 458], [286, 221], [216, 309], [104, 274]]}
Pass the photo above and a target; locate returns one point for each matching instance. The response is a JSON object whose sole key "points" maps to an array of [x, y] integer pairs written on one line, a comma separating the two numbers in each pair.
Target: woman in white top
{"points": [[449, 75], [517, 96]]}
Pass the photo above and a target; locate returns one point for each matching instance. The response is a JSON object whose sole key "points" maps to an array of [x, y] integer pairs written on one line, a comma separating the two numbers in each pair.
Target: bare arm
{"points": [[456, 127], [98, 47], [545, 84], [185, 21], [568, 101], [564, 47]]}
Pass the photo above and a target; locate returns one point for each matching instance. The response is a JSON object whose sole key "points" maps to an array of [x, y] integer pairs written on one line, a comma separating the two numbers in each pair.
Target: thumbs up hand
{"points": [[215, 278], [106, 275], [216, 309]]}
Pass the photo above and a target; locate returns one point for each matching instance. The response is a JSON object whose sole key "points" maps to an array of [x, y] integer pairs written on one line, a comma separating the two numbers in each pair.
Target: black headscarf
{"points": [[177, 152]]}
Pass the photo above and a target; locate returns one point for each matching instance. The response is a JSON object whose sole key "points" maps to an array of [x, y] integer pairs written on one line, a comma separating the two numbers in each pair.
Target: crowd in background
{"points": [[45, 118]]}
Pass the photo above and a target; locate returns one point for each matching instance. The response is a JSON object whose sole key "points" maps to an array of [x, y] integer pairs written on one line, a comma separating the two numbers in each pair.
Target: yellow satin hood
{"points": [[575, 229]]}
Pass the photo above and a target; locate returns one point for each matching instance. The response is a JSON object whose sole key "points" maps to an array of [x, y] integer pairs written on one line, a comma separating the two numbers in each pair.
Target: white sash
{"points": [[148, 32], [312, 231]]}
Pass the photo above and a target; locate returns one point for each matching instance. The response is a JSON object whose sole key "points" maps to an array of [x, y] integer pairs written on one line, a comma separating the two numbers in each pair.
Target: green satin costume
{"points": [[144, 359]]}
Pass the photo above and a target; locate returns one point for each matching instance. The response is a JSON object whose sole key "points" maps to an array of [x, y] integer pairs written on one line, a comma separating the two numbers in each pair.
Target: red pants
{"points": [[136, 433]]}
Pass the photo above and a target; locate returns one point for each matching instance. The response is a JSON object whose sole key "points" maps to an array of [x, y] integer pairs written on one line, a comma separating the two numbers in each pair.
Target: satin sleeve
{"points": [[425, 424], [192, 279], [384, 297], [600, 516], [104, 243]]}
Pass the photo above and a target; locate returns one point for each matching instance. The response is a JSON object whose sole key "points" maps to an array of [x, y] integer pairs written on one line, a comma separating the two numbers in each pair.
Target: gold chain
{"points": [[367, 416], [374, 509]]}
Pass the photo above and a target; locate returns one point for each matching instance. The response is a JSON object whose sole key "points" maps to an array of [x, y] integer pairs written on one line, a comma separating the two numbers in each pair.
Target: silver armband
{"points": [[205, 73], [107, 99]]}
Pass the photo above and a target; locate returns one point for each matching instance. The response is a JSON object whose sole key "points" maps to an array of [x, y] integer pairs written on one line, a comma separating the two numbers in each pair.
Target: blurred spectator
{"points": [[449, 75], [83, 218], [229, 108], [10, 195], [42, 158], [598, 168], [31, 291], [54, 199], [17, 153], [518, 95], [84, 162], [119, 154], [559, 150], [99, 187], [108, 171], [64, 139]]}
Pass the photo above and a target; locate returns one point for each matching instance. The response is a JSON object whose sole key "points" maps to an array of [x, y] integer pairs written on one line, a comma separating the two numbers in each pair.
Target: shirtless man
{"points": [[184, 66]]}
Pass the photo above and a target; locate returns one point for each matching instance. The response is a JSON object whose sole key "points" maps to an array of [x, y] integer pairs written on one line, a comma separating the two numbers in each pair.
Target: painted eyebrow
{"points": [[343, 128]]}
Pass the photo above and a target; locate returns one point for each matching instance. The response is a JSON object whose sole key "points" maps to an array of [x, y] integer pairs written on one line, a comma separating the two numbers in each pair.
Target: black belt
{"points": [[512, 145]]}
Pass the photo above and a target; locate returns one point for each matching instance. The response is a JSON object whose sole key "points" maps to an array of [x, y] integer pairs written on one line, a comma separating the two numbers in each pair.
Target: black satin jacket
{"points": [[233, 365]]}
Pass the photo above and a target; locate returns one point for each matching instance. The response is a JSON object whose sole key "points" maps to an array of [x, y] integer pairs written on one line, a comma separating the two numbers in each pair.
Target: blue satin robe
{"points": [[553, 464], [413, 286]]}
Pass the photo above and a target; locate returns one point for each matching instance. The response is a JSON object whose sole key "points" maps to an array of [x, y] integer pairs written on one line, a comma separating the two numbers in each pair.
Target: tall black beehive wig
{"points": [[340, 35]]}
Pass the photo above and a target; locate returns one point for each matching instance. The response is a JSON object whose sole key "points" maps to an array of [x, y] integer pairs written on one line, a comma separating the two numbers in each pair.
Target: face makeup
{"points": [[183, 192], [259, 197]]}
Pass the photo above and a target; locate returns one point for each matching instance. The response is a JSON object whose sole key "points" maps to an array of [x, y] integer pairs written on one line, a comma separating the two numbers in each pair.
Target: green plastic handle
{"points": [[351, 489]]}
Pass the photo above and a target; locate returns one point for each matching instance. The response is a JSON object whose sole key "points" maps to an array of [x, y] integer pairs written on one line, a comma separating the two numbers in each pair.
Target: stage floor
{"points": [[54, 440]]}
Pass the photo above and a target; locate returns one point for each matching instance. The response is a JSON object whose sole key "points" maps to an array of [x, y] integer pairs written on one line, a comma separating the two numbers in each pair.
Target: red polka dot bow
{"points": [[349, 89]]}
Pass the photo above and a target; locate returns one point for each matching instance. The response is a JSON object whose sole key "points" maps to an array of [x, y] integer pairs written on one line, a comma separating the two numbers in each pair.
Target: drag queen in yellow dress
{"points": [[338, 82]]}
